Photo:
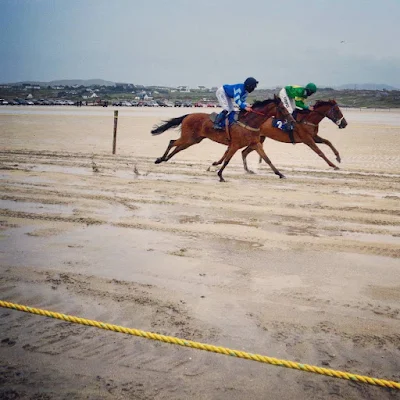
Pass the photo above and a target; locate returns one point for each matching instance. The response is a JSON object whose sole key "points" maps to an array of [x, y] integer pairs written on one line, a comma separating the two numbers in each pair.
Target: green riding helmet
{"points": [[311, 88]]}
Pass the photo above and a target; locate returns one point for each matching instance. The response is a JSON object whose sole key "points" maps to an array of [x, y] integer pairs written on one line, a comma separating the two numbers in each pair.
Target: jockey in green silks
{"points": [[293, 96], [293, 99]]}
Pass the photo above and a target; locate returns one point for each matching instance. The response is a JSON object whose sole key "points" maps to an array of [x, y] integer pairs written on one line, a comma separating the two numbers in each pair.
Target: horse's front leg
{"points": [[259, 149], [221, 159], [319, 139], [245, 153], [218, 162], [309, 141]]}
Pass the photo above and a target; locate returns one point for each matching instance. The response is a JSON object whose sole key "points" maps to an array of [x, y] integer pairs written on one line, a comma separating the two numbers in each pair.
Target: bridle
{"points": [[331, 117]]}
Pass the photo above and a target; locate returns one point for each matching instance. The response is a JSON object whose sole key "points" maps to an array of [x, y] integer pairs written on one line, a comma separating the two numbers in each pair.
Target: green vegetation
{"points": [[122, 91]]}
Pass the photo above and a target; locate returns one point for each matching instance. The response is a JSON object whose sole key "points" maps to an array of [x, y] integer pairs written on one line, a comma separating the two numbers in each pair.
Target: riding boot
{"points": [[290, 130], [231, 117], [219, 119]]}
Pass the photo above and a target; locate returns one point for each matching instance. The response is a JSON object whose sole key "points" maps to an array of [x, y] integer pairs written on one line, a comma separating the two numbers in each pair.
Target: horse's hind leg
{"points": [[319, 139], [245, 153], [229, 154], [259, 149], [179, 148], [163, 157]]}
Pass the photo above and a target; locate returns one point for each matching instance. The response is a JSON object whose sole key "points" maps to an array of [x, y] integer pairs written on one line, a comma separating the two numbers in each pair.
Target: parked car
{"points": [[178, 103], [3, 102], [20, 102], [187, 104]]}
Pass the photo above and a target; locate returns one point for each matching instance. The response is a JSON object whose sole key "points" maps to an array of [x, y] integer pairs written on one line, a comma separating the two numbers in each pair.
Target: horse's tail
{"points": [[172, 123]]}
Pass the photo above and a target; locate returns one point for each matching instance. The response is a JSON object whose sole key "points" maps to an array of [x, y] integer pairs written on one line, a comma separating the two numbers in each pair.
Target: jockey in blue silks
{"points": [[238, 93]]}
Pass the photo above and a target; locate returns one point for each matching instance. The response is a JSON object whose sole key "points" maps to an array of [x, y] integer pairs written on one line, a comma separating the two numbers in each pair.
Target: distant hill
{"points": [[366, 86], [69, 82], [82, 82]]}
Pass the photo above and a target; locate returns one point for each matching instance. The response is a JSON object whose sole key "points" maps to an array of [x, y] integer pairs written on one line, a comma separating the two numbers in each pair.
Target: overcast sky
{"points": [[201, 42]]}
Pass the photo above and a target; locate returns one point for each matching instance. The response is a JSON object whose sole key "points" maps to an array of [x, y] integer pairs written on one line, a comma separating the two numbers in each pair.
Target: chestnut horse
{"points": [[306, 130], [246, 132]]}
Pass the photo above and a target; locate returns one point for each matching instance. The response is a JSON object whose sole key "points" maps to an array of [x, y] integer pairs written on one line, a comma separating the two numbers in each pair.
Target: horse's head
{"points": [[331, 110]]}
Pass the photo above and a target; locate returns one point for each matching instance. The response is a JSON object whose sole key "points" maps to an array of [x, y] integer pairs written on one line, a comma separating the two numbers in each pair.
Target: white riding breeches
{"points": [[224, 101], [289, 103]]}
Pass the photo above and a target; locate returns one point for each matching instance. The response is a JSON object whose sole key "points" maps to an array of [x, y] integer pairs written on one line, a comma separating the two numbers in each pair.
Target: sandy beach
{"points": [[305, 269]]}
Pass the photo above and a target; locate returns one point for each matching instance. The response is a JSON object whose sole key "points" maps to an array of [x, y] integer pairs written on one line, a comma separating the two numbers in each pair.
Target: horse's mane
{"points": [[320, 103], [259, 104], [262, 103]]}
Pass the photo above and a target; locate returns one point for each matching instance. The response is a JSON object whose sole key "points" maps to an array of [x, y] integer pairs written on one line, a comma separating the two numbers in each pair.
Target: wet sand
{"points": [[304, 268]]}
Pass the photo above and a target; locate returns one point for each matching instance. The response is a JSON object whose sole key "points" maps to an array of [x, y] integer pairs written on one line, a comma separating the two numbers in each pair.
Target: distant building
{"points": [[184, 89]]}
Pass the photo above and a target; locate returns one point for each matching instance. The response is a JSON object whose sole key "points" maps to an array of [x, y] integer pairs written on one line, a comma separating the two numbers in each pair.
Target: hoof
{"points": [[338, 159], [249, 171], [281, 176], [158, 161], [215, 163], [336, 168]]}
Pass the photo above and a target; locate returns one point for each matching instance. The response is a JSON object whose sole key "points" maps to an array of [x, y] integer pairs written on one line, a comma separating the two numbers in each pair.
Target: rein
{"points": [[249, 127], [256, 112]]}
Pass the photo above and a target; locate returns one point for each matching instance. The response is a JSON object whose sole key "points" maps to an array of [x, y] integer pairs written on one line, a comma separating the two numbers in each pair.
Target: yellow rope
{"points": [[207, 347]]}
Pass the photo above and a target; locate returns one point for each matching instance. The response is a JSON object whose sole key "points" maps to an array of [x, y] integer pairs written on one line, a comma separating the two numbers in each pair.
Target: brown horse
{"points": [[246, 132], [306, 130]]}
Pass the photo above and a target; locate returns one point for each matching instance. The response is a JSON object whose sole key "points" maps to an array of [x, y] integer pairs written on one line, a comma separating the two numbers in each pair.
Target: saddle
{"points": [[285, 126], [225, 123], [214, 115]]}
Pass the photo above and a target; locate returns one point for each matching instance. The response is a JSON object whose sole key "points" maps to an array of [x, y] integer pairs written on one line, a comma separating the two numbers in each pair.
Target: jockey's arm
{"points": [[300, 103]]}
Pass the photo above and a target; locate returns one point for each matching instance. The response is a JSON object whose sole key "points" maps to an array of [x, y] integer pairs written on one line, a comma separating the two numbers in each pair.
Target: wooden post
{"points": [[115, 130]]}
